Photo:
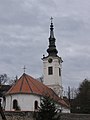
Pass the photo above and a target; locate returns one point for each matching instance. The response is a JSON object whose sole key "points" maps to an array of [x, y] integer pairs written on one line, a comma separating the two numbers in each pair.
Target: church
{"points": [[26, 93]]}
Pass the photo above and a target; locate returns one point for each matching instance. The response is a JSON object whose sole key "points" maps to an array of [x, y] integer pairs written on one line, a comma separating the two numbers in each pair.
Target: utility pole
{"points": [[69, 94]]}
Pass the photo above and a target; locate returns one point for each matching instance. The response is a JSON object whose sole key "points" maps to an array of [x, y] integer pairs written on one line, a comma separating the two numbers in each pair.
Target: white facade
{"points": [[54, 80], [26, 102], [65, 110]]}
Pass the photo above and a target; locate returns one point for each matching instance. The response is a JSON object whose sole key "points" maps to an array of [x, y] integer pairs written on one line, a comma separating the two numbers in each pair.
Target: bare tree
{"points": [[3, 78]]}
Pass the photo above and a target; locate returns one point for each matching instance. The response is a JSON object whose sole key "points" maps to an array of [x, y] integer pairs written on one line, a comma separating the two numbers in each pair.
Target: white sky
{"points": [[24, 32]]}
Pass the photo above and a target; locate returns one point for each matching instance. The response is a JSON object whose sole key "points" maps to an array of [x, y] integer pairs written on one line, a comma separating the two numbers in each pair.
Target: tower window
{"points": [[59, 72], [50, 70]]}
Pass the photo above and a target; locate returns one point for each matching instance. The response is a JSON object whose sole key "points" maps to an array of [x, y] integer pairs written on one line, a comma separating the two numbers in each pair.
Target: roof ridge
{"points": [[21, 84], [28, 85], [34, 84]]}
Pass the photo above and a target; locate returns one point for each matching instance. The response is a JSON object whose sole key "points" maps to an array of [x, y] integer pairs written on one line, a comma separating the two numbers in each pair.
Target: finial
{"points": [[51, 28], [24, 68], [51, 19]]}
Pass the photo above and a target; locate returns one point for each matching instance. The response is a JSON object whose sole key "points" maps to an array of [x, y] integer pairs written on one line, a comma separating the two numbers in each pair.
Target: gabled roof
{"points": [[28, 85]]}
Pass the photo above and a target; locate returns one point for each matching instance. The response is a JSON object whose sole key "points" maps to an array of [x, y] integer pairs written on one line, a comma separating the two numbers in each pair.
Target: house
{"points": [[26, 93]]}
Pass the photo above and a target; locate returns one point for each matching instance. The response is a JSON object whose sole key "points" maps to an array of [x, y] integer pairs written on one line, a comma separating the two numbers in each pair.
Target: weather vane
{"points": [[24, 68]]}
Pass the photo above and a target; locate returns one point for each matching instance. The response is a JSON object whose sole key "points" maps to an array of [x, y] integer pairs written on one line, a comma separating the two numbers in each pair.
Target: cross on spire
{"points": [[51, 19], [24, 68]]}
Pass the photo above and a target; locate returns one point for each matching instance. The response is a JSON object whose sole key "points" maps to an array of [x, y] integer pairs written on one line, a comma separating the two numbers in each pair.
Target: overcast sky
{"points": [[24, 33]]}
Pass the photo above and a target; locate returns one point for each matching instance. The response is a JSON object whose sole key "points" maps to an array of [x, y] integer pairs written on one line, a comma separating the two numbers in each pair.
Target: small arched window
{"points": [[15, 104], [36, 105]]}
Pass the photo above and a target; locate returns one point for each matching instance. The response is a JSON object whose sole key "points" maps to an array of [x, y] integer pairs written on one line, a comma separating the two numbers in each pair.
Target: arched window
{"points": [[15, 104], [36, 105]]}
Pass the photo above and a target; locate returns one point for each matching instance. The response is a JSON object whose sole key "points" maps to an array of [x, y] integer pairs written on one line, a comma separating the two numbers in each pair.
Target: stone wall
{"points": [[31, 116], [20, 115], [75, 116]]}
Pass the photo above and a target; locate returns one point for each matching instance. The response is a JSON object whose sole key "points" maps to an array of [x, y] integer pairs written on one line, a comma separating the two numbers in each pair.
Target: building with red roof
{"points": [[26, 93]]}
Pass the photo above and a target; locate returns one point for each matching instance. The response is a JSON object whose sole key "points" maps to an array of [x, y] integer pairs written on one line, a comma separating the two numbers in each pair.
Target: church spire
{"points": [[52, 51], [51, 28]]}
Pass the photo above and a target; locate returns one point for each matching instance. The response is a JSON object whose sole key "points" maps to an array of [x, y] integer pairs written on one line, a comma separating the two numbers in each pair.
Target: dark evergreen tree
{"points": [[81, 104], [48, 110]]}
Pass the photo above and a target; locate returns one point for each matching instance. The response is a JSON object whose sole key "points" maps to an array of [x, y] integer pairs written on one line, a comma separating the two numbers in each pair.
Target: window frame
{"points": [[50, 70]]}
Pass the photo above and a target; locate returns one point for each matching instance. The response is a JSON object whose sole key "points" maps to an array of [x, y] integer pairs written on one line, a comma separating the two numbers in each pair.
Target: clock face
{"points": [[50, 60]]}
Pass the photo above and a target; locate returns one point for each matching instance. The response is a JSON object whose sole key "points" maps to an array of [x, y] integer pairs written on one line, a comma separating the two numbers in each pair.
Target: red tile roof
{"points": [[28, 85]]}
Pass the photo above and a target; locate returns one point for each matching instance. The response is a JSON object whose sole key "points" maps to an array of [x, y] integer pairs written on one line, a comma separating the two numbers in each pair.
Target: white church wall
{"points": [[62, 109], [65, 110], [8, 103], [25, 101]]}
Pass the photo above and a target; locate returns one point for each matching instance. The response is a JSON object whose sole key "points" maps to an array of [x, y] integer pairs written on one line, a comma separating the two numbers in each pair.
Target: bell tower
{"points": [[52, 64]]}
